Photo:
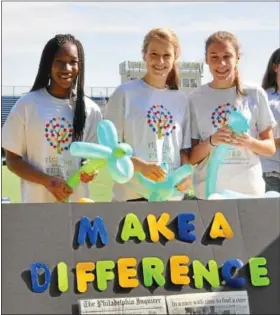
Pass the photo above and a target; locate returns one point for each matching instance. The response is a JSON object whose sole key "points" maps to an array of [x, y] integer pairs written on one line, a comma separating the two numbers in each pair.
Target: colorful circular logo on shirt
{"points": [[58, 133], [221, 114], [160, 121]]}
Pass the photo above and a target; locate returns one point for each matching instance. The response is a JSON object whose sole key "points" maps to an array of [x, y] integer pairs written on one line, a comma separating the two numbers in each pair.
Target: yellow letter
{"points": [[220, 227], [159, 226], [82, 276]]}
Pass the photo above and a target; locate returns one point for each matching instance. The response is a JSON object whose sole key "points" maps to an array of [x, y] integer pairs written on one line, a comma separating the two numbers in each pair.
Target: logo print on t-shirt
{"points": [[221, 114], [58, 132], [160, 120]]}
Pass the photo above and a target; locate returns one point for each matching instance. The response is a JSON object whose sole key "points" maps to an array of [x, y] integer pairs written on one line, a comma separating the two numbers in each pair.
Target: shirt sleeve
{"points": [[115, 111], [13, 131], [265, 117], [93, 117], [193, 122], [186, 129]]}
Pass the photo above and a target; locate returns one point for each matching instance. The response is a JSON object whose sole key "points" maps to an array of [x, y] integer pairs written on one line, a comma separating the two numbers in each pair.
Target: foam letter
{"points": [[220, 227], [82, 276], [132, 227], [211, 275], [257, 272], [98, 228], [62, 274], [153, 268], [34, 270], [232, 280], [127, 273], [179, 272], [104, 273], [156, 226], [184, 227]]}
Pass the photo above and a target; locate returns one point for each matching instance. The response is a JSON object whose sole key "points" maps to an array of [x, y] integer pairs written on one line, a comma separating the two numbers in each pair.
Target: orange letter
{"points": [[126, 272], [179, 272]]}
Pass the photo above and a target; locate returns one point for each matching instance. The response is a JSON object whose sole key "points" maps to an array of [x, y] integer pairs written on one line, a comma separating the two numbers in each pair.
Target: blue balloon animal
{"points": [[163, 190], [107, 153], [239, 124]]}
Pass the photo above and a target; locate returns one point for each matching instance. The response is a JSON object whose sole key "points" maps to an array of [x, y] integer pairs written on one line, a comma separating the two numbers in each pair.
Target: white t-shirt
{"points": [[145, 117], [271, 164], [39, 129], [241, 170]]}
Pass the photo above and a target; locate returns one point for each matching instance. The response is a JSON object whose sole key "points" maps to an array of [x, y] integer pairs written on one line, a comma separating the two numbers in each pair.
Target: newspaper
{"points": [[128, 305], [228, 302]]}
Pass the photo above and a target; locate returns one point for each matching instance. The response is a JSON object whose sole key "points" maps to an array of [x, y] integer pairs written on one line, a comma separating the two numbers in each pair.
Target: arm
{"points": [[150, 170], [55, 185], [264, 146], [265, 122], [24, 170], [137, 163], [200, 150]]}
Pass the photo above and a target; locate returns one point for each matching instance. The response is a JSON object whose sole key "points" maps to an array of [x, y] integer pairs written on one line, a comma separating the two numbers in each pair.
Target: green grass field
{"points": [[100, 188]]}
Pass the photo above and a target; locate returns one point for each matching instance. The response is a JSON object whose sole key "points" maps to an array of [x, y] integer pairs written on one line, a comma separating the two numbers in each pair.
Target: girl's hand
{"points": [[222, 136], [153, 171], [85, 177], [242, 141], [58, 188], [185, 184]]}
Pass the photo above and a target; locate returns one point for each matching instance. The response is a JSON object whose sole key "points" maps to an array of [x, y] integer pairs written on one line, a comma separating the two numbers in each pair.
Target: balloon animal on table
{"points": [[163, 190], [229, 194], [239, 124], [108, 152]]}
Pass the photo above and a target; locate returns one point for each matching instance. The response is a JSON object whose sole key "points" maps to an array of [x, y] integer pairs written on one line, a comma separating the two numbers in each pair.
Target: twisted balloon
{"points": [[239, 124], [108, 152], [164, 190]]}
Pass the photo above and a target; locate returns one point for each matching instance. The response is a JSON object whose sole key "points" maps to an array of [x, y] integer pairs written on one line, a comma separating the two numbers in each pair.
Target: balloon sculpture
{"points": [[162, 191], [239, 124], [107, 153], [229, 194]]}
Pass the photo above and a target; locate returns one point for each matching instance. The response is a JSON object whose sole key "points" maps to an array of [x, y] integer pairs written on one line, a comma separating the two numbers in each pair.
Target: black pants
{"points": [[139, 199]]}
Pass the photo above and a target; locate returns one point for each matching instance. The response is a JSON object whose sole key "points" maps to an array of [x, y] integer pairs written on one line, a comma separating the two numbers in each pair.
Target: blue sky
{"points": [[112, 32]]}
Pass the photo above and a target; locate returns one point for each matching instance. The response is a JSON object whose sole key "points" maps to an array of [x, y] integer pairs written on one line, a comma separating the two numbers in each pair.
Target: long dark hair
{"points": [[269, 79], [44, 74]]}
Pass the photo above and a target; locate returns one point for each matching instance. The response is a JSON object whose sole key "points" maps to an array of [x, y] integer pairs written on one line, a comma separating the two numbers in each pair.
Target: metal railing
{"points": [[91, 91]]}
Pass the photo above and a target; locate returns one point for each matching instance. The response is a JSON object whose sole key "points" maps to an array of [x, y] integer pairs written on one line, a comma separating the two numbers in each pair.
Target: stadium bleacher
{"points": [[7, 102]]}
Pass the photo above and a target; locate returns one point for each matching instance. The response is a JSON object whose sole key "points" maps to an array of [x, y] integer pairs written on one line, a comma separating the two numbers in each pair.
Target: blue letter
{"points": [[92, 231], [184, 227], [230, 279], [34, 270]]}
